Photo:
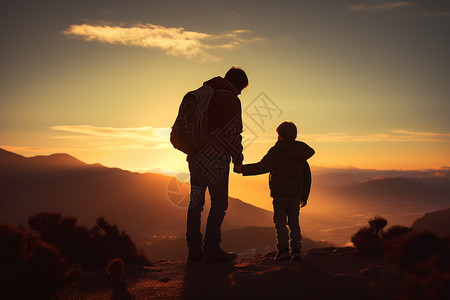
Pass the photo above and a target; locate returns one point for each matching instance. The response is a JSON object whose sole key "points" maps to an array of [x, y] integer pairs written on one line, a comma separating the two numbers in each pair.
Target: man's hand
{"points": [[303, 203], [237, 169]]}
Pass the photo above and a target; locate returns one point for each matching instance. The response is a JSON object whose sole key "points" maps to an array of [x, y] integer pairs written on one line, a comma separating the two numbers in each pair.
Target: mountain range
{"points": [[144, 205], [149, 206]]}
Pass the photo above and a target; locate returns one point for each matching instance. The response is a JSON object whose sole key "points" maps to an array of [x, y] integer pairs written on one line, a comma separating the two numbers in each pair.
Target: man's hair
{"points": [[237, 77], [287, 131]]}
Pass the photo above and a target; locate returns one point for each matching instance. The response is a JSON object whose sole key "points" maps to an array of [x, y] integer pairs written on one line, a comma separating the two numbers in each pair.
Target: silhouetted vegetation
{"points": [[35, 264], [368, 239], [30, 268], [91, 248], [116, 270], [422, 254]]}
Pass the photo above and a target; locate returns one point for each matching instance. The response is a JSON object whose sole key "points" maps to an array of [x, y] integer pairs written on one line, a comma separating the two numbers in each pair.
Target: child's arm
{"points": [[306, 184], [264, 166]]}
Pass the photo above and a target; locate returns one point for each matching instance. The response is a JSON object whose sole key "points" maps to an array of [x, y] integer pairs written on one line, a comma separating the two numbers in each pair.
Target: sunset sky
{"points": [[367, 82]]}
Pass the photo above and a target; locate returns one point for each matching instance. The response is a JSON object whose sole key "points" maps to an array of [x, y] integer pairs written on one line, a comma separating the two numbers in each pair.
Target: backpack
{"points": [[190, 131]]}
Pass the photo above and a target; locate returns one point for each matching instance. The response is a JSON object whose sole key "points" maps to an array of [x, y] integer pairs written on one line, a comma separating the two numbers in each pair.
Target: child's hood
{"points": [[295, 150]]}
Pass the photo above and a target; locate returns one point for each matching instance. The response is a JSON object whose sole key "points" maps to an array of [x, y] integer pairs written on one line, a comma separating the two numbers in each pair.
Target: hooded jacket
{"points": [[225, 118], [290, 175]]}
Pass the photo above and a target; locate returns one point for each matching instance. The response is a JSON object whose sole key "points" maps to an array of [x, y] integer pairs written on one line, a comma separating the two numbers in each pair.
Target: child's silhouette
{"points": [[290, 183]]}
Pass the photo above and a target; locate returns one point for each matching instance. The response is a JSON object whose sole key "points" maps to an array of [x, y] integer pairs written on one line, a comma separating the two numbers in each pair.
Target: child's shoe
{"points": [[296, 254], [282, 254]]}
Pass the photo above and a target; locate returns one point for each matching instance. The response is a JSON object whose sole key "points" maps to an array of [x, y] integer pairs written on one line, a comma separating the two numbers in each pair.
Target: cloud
{"points": [[442, 14], [421, 8], [389, 136], [113, 138], [378, 7], [173, 41]]}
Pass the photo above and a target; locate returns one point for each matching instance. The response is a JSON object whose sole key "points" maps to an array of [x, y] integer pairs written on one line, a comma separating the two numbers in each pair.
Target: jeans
{"points": [[214, 176], [286, 211]]}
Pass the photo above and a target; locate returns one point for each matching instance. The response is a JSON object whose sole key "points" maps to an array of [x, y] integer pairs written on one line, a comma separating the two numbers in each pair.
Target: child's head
{"points": [[287, 131]]}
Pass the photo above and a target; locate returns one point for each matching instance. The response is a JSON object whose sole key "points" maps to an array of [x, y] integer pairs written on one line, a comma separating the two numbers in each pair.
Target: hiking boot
{"points": [[195, 255], [282, 254], [216, 255], [296, 254]]}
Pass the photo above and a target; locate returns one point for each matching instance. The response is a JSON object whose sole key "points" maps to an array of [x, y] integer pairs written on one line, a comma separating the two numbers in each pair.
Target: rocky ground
{"points": [[327, 273]]}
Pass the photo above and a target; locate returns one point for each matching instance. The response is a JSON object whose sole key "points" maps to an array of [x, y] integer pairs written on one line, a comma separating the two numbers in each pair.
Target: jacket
{"points": [[225, 118], [290, 175]]}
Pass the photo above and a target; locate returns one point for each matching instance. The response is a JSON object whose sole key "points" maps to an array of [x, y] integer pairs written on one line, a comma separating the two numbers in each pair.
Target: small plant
{"points": [[368, 239], [116, 270]]}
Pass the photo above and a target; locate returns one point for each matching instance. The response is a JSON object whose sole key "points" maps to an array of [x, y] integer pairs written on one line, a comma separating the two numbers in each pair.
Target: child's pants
{"points": [[286, 211]]}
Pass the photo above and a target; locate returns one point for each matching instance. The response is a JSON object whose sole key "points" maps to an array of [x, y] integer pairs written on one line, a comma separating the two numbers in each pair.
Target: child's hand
{"points": [[303, 203], [237, 169]]}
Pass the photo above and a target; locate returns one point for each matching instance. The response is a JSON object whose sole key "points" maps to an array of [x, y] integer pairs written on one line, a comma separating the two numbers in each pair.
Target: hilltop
{"points": [[327, 273]]}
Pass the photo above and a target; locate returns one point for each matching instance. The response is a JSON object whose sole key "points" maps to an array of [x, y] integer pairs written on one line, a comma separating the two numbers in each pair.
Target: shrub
{"points": [[75, 242], [92, 248], [395, 232], [110, 243], [377, 224], [30, 267], [415, 249], [368, 242], [368, 239], [424, 255]]}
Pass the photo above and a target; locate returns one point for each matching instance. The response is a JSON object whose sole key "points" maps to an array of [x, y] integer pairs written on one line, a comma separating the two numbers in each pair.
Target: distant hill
{"points": [[437, 222], [397, 193], [143, 205]]}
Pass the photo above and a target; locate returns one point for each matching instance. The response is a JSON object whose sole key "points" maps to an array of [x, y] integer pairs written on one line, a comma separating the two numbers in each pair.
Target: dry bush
{"points": [[424, 255], [368, 239], [111, 243], [377, 224], [92, 248], [395, 232], [415, 249], [30, 267]]}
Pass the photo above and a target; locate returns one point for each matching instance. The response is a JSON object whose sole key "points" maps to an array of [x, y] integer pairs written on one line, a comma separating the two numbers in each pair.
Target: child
{"points": [[289, 182]]}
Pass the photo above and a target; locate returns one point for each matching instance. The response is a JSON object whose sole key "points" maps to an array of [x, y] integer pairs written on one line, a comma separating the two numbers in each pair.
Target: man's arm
{"points": [[230, 134]]}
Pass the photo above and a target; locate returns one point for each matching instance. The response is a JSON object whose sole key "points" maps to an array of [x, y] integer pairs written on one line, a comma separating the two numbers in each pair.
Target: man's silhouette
{"points": [[209, 168]]}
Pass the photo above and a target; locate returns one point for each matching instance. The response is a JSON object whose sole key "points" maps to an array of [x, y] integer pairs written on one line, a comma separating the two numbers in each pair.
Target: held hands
{"points": [[303, 203], [237, 169]]}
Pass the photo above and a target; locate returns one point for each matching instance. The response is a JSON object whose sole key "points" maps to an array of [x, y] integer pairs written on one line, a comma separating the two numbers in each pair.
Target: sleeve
{"points": [[309, 152], [264, 166], [306, 182], [231, 132]]}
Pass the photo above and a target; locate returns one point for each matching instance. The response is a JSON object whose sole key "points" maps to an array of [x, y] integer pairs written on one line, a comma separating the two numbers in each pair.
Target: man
{"points": [[209, 168]]}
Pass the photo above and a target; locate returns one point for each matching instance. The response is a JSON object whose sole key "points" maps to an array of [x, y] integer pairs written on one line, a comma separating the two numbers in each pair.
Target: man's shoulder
{"points": [[221, 84]]}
